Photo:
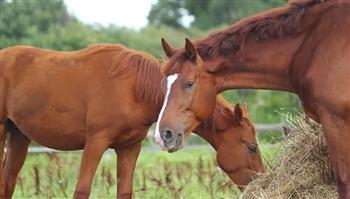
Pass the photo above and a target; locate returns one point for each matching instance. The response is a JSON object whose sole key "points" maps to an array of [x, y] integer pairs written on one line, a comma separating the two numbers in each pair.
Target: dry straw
{"points": [[300, 169]]}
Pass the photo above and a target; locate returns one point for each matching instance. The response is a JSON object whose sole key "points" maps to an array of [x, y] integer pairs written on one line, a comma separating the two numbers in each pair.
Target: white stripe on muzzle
{"points": [[170, 81]]}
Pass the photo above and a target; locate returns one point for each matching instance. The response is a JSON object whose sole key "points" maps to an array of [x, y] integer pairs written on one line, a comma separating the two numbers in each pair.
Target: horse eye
{"points": [[252, 148], [189, 84]]}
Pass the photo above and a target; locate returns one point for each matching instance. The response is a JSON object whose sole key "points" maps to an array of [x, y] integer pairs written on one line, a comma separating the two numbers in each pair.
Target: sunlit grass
{"points": [[184, 174]]}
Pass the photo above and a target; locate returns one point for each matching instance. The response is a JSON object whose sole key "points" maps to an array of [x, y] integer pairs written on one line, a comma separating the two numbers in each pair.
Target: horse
{"points": [[303, 48], [104, 96]]}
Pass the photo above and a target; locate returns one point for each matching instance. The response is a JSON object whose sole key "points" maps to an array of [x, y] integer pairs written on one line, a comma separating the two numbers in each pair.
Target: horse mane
{"points": [[274, 23], [221, 103], [127, 62]]}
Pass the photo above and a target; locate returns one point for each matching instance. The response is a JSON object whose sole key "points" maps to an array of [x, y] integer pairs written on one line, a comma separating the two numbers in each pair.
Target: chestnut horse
{"points": [[105, 96], [302, 48]]}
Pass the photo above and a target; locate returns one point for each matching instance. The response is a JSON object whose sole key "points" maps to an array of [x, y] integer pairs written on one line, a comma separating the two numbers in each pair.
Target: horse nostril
{"points": [[168, 135]]}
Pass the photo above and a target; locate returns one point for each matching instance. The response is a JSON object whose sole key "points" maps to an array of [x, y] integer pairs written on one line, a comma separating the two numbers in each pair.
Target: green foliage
{"points": [[166, 12], [270, 137], [72, 36], [265, 106], [251, 7], [22, 19], [207, 13], [211, 13]]}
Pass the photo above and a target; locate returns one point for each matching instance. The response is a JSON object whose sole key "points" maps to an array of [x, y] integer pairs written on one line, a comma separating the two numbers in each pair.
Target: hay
{"points": [[301, 168]]}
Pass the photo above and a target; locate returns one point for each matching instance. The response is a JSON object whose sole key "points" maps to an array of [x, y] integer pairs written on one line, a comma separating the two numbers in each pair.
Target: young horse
{"points": [[302, 48], [105, 96]]}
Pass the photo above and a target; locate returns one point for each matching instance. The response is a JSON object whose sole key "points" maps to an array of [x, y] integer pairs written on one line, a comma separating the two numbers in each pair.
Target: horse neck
{"points": [[267, 63], [206, 131], [260, 65]]}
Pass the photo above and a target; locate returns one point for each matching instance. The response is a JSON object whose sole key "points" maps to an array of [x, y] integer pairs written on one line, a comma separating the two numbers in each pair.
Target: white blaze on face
{"points": [[170, 81]]}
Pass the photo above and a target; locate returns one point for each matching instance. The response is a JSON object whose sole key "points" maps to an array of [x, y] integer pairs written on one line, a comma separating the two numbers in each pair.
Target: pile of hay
{"points": [[300, 170]]}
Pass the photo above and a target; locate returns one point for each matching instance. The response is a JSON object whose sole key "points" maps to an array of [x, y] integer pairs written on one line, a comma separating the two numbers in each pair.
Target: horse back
{"points": [[21, 63], [44, 83]]}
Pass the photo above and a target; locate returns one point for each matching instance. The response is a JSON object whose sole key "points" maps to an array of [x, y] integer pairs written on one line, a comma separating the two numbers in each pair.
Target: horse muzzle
{"points": [[172, 140]]}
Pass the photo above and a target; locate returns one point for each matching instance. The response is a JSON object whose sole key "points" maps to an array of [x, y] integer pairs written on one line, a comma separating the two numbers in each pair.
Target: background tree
{"points": [[166, 12], [22, 19], [207, 14], [211, 13]]}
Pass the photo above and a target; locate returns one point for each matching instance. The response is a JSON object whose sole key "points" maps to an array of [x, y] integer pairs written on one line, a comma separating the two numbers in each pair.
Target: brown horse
{"points": [[302, 48], [105, 96]]}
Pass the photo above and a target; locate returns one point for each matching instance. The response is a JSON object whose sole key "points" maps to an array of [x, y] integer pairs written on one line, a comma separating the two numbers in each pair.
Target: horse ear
{"points": [[190, 50], [168, 50], [238, 114]]}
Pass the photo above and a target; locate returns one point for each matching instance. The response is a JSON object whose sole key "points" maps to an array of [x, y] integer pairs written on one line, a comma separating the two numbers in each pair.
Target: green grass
{"points": [[271, 137], [184, 174]]}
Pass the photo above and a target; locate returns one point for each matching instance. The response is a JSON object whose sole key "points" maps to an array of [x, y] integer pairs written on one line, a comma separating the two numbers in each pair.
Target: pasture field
{"points": [[184, 174]]}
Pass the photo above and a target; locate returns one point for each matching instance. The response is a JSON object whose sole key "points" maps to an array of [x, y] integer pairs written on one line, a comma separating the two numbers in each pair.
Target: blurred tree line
{"points": [[47, 24], [206, 14]]}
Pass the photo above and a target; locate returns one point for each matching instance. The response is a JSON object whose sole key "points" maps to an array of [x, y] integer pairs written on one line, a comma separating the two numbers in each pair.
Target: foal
{"points": [[105, 96]]}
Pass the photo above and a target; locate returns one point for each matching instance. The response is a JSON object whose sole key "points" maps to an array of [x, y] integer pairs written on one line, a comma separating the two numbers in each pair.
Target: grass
{"points": [[184, 174]]}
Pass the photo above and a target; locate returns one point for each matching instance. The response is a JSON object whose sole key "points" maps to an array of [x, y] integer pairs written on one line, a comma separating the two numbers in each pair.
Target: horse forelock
{"points": [[174, 64]]}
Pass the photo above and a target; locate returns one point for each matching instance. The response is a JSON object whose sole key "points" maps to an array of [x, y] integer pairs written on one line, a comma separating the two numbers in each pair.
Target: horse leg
{"points": [[337, 133], [17, 152], [126, 165], [93, 151], [2, 146]]}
